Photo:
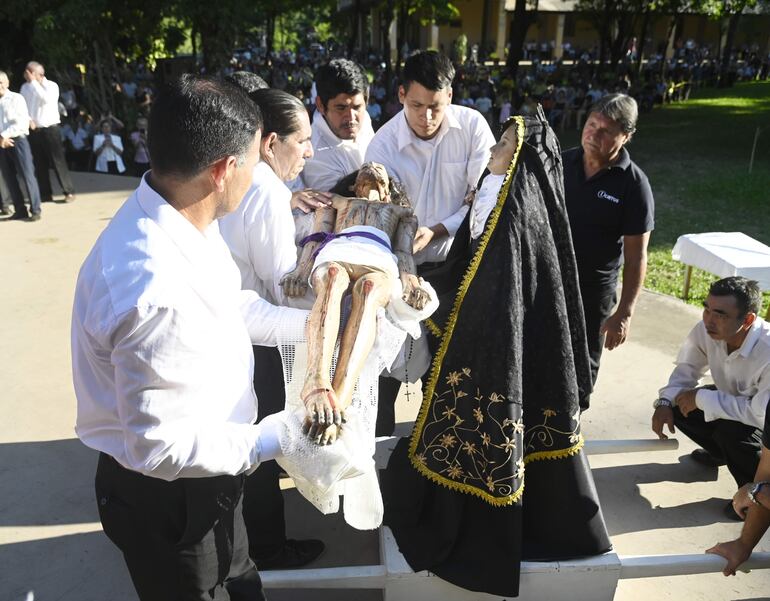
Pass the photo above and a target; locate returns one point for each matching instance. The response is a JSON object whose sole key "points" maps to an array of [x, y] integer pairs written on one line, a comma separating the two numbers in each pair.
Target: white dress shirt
{"points": [[161, 347], [333, 157], [437, 173], [43, 102], [14, 116], [108, 154], [742, 378], [260, 234]]}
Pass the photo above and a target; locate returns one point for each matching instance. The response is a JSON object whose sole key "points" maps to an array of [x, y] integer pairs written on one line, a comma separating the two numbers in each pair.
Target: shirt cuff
{"points": [[705, 400], [269, 440]]}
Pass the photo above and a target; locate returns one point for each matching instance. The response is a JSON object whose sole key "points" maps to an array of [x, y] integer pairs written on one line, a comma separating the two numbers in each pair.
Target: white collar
{"points": [[406, 136], [192, 243]]}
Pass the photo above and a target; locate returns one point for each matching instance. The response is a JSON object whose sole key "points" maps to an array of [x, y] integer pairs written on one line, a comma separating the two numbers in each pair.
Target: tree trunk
{"points": [[270, 35], [522, 18], [640, 43], [671, 27], [724, 68], [401, 34], [390, 8], [605, 33], [485, 29], [354, 20]]}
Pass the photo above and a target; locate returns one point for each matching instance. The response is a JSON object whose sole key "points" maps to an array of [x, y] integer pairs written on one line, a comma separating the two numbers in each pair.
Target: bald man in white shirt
{"points": [[162, 359], [438, 151], [42, 96]]}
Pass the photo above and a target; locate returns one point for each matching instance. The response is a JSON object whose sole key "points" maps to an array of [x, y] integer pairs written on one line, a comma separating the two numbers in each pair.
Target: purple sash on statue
{"points": [[325, 237]]}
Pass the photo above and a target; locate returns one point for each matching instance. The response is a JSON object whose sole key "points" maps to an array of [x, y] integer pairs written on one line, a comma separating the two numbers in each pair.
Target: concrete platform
{"points": [[51, 542]]}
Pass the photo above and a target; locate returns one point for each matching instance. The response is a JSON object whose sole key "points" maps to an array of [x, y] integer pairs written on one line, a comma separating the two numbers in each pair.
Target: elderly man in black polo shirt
{"points": [[610, 207]]}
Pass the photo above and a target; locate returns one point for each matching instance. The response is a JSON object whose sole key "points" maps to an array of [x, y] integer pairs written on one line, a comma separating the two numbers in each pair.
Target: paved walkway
{"points": [[50, 538]]}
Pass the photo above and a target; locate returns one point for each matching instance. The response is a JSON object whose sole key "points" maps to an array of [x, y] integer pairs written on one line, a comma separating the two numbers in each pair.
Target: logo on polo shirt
{"points": [[606, 196]]}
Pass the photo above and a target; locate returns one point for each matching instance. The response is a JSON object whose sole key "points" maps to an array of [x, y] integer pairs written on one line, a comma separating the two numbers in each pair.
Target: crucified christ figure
{"points": [[362, 245]]}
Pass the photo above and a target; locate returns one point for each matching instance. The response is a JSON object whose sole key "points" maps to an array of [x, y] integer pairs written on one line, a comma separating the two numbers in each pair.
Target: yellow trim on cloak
{"points": [[433, 328], [430, 387]]}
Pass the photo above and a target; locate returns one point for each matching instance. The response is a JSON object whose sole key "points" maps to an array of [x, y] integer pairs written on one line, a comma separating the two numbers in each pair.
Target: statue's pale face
{"points": [[502, 152]]}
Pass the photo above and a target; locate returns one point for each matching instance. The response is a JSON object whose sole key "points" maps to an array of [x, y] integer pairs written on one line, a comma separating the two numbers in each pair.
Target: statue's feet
{"points": [[324, 417]]}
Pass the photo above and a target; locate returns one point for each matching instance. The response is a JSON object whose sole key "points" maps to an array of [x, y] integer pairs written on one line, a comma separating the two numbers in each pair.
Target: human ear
{"points": [[267, 145], [319, 105], [222, 170], [401, 94]]}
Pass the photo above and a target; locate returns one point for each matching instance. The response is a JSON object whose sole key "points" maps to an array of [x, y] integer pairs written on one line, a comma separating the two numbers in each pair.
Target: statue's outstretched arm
{"points": [[295, 282]]}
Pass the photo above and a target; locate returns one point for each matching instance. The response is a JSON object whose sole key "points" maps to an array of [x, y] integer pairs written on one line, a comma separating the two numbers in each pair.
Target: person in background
{"points": [[108, 150], [16, 155], [141, 153], [611, 214], [42, 96]]}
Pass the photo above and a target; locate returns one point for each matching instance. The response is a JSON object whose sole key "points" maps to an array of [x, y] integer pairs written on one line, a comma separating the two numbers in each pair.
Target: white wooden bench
{"points": [[589, 579]]}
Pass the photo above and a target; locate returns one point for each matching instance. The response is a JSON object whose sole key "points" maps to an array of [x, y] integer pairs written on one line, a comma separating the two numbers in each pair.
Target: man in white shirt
{"points": [[342, 128], [42, 96], [162, 360], [15, 152], [726, 419], [438, 151]]}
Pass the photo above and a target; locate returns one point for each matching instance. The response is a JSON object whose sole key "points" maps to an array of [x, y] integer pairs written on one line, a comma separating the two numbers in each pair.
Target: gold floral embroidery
{"points": [[448, 441]]}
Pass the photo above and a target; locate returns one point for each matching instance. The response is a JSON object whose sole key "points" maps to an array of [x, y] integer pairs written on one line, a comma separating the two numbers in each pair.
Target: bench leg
{"points": [[687, 276]]}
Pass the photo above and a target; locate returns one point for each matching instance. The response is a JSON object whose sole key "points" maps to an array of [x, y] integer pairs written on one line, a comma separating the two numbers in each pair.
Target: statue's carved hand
{"points": [[295, 283], [414, 294], [324, 418]]}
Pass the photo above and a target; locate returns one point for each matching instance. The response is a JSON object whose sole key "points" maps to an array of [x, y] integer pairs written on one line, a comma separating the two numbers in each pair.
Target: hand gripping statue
{"points": [[361, 245]]}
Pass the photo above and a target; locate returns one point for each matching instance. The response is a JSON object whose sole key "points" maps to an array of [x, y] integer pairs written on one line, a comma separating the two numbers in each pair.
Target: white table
{"points": [[724, 254]]}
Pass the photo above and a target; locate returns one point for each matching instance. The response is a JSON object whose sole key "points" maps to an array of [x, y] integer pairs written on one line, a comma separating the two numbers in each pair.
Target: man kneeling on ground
{"points": [[725, 419]]}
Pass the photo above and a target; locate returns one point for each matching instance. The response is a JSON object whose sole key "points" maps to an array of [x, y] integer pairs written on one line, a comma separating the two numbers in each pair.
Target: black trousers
{"points": [[737, 443], [182, 540], [263, 510], [598, 302], [48, 152]]}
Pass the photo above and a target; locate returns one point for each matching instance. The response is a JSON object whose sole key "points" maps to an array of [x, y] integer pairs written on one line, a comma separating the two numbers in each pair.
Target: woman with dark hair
{"points": [[501, 403], [260, 235]]}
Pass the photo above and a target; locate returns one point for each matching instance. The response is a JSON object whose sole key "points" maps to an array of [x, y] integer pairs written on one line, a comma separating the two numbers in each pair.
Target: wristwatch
{"points": [[662, 403], [754, 491]]}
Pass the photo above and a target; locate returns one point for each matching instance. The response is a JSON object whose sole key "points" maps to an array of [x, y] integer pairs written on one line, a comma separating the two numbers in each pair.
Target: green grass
{"points": [[696, 155]]}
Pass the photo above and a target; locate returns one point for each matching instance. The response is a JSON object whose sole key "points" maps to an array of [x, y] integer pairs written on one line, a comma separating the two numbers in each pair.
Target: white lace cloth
{"points": [[345, 468]]}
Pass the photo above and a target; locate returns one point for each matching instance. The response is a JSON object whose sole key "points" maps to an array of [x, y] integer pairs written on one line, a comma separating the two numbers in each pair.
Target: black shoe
{"points": [[730, 514], [6, 211], [295, 554], [34, 217], [703, 457], [19, 217]]}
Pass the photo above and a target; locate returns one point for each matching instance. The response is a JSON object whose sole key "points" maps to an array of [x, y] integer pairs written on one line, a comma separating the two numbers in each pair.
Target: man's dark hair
{"points": [[621, 108], [747, 294], [196, 121], [341, 76], [246, 80], [280, 111], [428, 68]]}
